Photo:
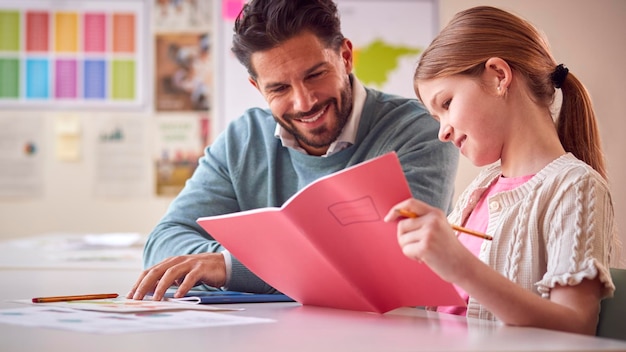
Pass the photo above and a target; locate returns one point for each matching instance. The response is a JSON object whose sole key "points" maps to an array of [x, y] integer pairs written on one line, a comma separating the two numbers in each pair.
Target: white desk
{"points": [[297, 328]]}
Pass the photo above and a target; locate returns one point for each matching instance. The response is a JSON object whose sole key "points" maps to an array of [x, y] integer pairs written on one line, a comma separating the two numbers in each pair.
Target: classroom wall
{"points": [[587, 36]]}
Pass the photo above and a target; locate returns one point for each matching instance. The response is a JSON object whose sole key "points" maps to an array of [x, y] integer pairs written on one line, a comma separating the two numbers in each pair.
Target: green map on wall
{"points": [[374, 62], [388, 37]]}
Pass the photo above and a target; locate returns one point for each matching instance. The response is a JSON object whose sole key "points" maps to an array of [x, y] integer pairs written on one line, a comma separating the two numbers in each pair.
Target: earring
{"points": [[499, 89]]}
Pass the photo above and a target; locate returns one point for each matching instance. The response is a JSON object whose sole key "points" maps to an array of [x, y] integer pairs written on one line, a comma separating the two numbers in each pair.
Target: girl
{"points": [[490, 79]]}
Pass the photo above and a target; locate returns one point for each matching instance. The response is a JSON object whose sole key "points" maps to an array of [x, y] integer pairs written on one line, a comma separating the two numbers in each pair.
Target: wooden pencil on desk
{"points": [[410, 214], [74, 298]]}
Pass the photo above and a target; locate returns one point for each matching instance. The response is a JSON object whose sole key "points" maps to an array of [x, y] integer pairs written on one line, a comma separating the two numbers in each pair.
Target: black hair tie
{"points": [[558, 76]]}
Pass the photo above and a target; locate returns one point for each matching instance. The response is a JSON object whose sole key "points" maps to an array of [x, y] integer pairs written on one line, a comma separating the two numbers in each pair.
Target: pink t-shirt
{"points": [[478, 220]]}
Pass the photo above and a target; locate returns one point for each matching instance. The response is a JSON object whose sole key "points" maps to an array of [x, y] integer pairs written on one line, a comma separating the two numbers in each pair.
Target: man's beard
{"points": [[322, 136]]}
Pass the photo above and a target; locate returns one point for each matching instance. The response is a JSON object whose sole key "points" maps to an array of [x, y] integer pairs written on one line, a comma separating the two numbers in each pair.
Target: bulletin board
{"points": [[63, 54]]}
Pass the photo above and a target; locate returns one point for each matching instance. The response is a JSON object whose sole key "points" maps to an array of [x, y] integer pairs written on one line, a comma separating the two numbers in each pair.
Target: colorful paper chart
{"points": [[83, 56]]}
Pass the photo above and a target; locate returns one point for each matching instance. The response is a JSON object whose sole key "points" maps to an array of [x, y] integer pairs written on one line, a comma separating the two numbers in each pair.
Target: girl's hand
{"points": [[429, 238]]}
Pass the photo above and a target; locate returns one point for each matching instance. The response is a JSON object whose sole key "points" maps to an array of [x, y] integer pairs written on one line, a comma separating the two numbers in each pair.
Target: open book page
{"points": [[329, 246]]}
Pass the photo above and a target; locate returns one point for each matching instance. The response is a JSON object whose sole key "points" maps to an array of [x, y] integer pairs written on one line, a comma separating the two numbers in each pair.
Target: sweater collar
{"points": [[549, 170]]}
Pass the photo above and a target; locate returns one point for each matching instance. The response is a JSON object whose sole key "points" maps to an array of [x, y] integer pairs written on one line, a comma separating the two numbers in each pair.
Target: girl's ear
{"points": [[498, 74]]}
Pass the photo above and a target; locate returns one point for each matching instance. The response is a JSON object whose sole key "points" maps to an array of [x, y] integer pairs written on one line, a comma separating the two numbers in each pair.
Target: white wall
{"points": [[587, 36]]}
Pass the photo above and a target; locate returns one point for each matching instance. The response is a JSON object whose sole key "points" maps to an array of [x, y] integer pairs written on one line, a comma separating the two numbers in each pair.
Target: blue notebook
{"points": [[217, 297]]}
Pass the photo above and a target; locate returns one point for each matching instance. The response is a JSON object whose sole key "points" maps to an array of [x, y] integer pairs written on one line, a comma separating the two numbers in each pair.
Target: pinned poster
{"points": [[68, 137], [180, 141], [72, 53], [231, 9], [182, 15], [21, 160], [122, 163]]}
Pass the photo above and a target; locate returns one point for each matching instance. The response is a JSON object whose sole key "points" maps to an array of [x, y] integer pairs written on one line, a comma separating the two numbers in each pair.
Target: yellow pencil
{"points": [[74, 298], [410, 214]]}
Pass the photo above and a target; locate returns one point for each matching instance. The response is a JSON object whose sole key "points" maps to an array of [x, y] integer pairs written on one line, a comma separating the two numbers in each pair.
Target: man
{"points": [[320, 120]]}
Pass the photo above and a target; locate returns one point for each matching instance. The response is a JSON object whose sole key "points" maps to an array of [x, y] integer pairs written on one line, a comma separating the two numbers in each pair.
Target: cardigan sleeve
{"points": [[580, 233]]}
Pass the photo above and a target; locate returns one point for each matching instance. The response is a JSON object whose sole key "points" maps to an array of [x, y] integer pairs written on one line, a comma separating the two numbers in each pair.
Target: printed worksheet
{"points": [[124, 305]]}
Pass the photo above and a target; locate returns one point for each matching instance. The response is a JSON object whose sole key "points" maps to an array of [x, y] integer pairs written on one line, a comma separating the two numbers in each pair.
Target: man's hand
{"points": [[185, 271]]}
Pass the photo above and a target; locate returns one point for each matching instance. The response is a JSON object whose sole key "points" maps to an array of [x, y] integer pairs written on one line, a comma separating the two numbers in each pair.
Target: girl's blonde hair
{"points": [[477, 34]]}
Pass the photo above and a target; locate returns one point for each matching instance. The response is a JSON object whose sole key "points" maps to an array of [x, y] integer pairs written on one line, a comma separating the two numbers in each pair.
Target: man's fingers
{"points": [[133, 289], [151, 279]]}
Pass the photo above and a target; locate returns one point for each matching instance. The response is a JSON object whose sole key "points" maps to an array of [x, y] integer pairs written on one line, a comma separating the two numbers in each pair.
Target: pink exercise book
{"points": [[329, 246]]}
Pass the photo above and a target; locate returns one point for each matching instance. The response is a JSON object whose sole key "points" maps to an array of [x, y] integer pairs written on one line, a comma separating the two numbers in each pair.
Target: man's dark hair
{"points": [[265, 24]]}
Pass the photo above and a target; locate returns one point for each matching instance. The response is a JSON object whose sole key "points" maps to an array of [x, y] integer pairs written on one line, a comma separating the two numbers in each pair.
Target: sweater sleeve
{"points": [[581, 235]]}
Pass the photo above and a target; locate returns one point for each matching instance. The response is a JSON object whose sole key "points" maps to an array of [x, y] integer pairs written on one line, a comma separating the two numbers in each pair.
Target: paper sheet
{"points": [[123, 305], [21, 159]]}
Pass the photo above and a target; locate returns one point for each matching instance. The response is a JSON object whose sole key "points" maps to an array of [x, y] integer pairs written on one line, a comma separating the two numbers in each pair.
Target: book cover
{"points": [[329, 246]]}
